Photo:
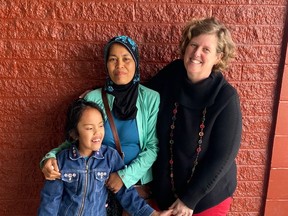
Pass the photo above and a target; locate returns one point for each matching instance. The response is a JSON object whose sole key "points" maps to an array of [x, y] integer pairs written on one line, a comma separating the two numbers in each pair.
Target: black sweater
{"points": [[214, 178]]}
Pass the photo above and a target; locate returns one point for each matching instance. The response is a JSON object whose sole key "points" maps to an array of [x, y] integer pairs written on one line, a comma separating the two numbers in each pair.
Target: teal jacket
{"points": [[148, 106]]}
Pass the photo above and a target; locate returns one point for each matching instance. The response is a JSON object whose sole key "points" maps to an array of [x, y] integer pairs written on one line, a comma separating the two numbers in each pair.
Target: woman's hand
{"points": [[51, 170], [114, 183], [180, 209]]}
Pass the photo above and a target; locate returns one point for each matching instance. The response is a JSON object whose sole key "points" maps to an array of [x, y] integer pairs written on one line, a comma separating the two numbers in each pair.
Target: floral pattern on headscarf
{"points": [[132, 47]]}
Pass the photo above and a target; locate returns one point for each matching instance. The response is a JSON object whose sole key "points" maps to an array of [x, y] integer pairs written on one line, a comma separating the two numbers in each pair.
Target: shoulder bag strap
{"points": [[112, 124]]}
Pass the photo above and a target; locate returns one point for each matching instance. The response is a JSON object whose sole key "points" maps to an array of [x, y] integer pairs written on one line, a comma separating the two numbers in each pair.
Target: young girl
{"points": [[85, 167]]}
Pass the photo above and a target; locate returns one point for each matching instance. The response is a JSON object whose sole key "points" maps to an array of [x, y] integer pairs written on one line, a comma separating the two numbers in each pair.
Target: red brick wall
{"points": [[277, 196], [51, 51]]}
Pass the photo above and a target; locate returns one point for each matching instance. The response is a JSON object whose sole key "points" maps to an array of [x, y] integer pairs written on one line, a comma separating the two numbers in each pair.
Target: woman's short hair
{"points": [[210, 25]]}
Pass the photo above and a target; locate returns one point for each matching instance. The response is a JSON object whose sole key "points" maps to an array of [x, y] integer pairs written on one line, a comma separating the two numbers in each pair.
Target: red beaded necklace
{"points": [[171, 142]]}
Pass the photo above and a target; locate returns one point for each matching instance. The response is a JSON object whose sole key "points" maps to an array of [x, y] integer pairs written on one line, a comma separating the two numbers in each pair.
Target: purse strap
{"points": [[112, 124]]}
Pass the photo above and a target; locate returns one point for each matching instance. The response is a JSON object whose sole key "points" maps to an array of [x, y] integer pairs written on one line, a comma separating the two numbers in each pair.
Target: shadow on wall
{"points": [[34, 114]]}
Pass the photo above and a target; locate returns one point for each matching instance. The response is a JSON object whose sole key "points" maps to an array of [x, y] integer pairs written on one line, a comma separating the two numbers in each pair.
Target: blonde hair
{"points": [[210, 25]]}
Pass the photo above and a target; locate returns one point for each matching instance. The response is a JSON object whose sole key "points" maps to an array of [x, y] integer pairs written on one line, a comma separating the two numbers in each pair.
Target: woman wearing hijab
{"points": [[134, 109]]}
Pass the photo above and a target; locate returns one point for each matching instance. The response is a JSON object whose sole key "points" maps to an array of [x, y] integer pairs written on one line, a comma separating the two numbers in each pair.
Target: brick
{"points": [[258, 54], [278, 188], [276, 207], [11, 163], [37, 69], [76, 87], [249, 189], [252, 157], [29, 106], [251, 173], [74, 31], [254, 140], [269, 2], [42, 142], [81, 70], [34, 50], [250, 15], [28, 123], [23, 207], [284, 85], [13, 9], [104, 31], [280, 149], [38, 30], [163, 1], [263, 124], [107, 11], [3, 28], [28, 88], [167, 13], [243, 214], [155, 34], [256, 72], [78, 51], [282, 119], [256, 35], [68, 10], [148, 70], [6, 49], [41, 9], [159, 53], [257, 107], [7, 69], [247, 204], [233, 72], [257, 90]]}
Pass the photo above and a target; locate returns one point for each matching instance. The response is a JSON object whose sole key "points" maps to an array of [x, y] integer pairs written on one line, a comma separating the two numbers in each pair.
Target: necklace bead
{"points": [[171, 142]]}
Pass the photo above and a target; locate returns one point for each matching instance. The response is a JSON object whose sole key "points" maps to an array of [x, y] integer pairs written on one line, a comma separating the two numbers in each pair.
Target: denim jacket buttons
{"points": [[70, 177], [100, 175]]}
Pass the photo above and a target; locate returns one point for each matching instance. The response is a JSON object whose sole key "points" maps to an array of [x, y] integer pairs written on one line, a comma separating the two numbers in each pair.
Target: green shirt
{"points": [[148, 106]]}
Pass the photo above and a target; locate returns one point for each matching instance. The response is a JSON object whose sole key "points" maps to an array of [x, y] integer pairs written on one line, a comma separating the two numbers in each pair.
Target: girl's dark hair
{"points": [[74, 113]]}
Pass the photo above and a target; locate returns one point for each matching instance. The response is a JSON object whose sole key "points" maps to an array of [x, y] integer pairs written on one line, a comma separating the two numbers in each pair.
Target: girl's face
{"points": [[200, 56], [120, 64], [91, 131]]}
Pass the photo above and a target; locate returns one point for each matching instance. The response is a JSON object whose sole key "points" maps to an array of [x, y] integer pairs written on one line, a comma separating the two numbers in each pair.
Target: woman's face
{"points": [[120, 64], [200, 56], [90, 131]]}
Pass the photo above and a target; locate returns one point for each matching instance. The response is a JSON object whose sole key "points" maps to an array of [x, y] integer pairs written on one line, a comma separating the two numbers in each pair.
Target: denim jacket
{"points": [[82, 190], [148, 106]]}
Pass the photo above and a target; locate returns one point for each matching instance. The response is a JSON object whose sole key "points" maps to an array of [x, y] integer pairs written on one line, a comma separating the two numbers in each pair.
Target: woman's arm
{"points": [[49, 164]]}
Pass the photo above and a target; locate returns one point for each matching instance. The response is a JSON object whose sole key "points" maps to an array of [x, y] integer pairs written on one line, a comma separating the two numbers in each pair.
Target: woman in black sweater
{"points": [[199, 124]]}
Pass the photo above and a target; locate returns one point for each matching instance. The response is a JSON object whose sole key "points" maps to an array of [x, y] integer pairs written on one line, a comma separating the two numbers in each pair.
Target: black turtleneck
{"points": [[214, 179]]}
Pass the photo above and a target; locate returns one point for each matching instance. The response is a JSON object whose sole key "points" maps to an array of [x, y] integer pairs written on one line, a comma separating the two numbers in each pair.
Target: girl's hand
{"points": [[51, 170]]}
